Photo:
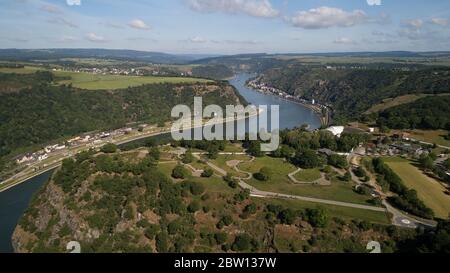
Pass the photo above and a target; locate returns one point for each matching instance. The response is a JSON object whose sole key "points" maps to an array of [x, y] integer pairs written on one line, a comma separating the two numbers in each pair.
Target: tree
{"points": [[307, 159], [254, 148], [194, 206], [162, 242], [317, 217], [426, 162], [347, 177], [264, 174], [109, 148], [287, 216], [155, 153], [179, 172], [207, 173], [360, 172], [188, 158], [338, 161], [242, 242], [197, 188], [213, 152], [230, 181], [447, 164], [221, 238]]}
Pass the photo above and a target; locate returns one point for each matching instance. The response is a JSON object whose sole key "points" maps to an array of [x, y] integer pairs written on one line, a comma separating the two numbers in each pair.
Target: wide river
{"points": [[13, 202]]}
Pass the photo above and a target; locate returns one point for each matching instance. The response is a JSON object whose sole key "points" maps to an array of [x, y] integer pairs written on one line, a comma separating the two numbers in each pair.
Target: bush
{"points": [[317, 217], [207, 173], [221, 238], [188, 158], [109, 148], [155, 153], [263, 175], [179, 172], [194, 206], [242, 242]]}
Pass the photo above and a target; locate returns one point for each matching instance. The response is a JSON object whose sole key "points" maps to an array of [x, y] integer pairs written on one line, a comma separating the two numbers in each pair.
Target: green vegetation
{"points": [[426, 113], [406, 199], [309, 175], [430, 191], [354, 91], [43, 112]]}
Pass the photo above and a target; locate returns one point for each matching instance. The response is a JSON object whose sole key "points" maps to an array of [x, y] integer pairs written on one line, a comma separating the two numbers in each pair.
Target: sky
{"points": [[227, 26]]}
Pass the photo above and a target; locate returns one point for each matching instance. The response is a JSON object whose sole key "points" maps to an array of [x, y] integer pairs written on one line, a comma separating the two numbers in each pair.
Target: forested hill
{"points": [[351, 92], [425, 113], [43, 111]]}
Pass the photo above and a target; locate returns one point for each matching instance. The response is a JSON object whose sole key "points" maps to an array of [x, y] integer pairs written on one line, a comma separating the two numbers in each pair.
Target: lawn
{"points": [[309, 175], [109, 82], [430, 191], [280, 182], [222, 160]]}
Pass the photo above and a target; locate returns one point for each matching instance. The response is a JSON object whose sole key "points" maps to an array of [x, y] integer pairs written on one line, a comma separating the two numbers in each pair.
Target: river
{"points": [[13, 202]]}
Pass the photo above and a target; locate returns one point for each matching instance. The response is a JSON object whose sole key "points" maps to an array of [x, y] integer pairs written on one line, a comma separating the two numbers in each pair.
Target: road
{"points": [[55, 159], [399, 218], [258, 193]]}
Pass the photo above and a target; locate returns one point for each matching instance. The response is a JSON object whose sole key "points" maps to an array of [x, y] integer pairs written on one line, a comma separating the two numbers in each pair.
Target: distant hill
{"points": [[129, 55]]}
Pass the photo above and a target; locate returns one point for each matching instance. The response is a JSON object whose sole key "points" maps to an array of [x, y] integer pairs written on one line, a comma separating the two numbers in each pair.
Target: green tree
{"points": [[207, 173], [188, 158], [264, 174], [155, 153], [242, 242], [179, 172], [317, 217], [109, 148]]}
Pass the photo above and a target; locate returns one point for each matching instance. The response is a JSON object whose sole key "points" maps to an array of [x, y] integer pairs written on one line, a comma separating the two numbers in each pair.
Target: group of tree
{"points": [[406, 199]]}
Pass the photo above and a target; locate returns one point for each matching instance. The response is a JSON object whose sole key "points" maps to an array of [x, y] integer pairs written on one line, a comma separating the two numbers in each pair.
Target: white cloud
{"points": [[138, 24], [95, 38], [415, 24], [374, 2], [344, 41], [256, 8], [73, 2], [326, 17], [198, 40], [51, 9], [62, 21], [441, 22]]}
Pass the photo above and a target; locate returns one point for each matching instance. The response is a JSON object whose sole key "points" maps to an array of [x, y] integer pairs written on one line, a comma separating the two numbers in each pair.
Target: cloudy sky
{"points": [[227, 26]]}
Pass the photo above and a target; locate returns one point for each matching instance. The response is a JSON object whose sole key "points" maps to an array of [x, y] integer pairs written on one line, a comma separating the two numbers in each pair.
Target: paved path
{"points": [[263, 194]]}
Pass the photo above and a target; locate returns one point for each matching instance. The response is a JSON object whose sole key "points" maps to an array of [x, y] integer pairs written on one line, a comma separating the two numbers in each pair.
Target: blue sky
{"points": [[227, 26]]}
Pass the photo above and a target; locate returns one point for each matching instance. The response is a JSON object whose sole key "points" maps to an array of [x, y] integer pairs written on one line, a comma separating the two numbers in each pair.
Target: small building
{"points": [[336, 130]]}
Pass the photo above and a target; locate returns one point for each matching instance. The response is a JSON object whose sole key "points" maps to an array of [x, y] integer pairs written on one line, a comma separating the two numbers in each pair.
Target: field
{"points": [[335, 211], [310, 175], [280, 182], [392, 102], [100, 82], [432, 136], [25, 70], [430, 191], [110, 82]]}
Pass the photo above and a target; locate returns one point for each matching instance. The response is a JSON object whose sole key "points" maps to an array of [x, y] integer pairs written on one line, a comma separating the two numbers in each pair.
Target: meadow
{"points": [[280, 182], [430, 191]]}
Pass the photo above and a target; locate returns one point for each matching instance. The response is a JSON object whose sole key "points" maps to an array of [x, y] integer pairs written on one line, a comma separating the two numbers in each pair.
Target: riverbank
{"points": [[56, 160], [324, 118]]}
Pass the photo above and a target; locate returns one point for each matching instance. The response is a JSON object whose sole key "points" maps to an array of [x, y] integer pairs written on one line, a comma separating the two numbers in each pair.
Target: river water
{"points": [[13, 202]]}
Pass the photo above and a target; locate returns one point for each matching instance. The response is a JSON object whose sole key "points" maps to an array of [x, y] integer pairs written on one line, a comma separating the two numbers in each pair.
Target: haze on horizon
{"points": [[227, 26]]}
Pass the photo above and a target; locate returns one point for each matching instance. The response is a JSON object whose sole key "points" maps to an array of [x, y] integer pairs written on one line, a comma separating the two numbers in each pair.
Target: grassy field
{"points": [[25, 70], [430, 191], [280, 182], [335, 211], [388, 103], [222, 160], [310, 175], [101, 82], [432, 136]]}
